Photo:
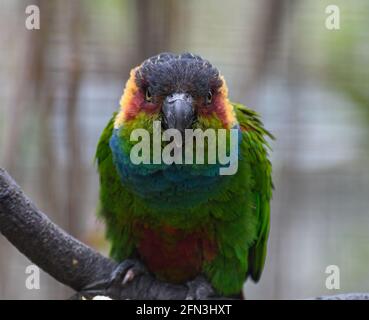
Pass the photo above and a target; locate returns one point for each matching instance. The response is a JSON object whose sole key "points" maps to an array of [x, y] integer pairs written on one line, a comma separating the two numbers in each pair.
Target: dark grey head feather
{"points": [[168, 73]]}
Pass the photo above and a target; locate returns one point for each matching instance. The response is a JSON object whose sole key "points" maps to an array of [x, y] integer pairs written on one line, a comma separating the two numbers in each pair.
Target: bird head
{"points": [[182, 91]]}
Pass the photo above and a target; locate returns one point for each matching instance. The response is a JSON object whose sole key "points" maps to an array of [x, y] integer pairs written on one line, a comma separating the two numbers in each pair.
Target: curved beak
{"points": [[178, 112]]}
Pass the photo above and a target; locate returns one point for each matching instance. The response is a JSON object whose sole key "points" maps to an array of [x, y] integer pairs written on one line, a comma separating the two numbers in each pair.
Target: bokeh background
{"points": [[59, 86]]}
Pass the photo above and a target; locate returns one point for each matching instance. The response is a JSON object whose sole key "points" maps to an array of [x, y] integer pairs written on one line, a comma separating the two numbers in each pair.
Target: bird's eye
{"points": [[148, 96], [209, 97]]}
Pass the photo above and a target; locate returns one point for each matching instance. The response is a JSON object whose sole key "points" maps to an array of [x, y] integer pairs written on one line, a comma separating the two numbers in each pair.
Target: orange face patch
{"points": [[220, 107]]}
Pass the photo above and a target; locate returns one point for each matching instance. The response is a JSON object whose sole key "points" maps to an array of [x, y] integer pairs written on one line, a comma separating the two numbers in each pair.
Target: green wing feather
{"points": [[114, 198], [262, 191]]}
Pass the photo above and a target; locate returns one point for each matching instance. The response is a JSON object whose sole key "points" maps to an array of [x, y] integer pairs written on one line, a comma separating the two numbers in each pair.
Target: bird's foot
{"points": [[121, 276], [126, 271], [199, 289]]}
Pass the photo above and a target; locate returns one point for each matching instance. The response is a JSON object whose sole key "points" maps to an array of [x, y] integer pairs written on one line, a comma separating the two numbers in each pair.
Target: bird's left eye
{"points": [[209, 97], [148, 96]]}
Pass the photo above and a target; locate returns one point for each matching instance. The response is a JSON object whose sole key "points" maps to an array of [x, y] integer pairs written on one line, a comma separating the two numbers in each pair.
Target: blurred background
{"points": [[59, 86]]}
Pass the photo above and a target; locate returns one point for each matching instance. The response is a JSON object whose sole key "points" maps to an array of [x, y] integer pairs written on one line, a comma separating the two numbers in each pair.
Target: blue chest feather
{"points": [[175, 185]]}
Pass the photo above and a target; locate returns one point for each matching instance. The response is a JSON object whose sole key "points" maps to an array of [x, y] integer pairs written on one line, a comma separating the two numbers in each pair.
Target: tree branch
{"points": [[73, 263], [345, 296], [65, 258]]}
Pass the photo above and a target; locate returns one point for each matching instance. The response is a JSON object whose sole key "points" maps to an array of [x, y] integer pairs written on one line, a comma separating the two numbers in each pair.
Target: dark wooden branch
{"points": [[65, 258], [73, 263], [345, 296]]}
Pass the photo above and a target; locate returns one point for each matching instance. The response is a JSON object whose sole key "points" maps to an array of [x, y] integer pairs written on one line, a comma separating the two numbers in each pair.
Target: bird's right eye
{"points": [[209, 97], [148, 95]]}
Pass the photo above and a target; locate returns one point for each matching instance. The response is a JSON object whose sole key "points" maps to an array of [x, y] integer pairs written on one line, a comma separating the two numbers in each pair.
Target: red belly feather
{"points": [[173, 254]]}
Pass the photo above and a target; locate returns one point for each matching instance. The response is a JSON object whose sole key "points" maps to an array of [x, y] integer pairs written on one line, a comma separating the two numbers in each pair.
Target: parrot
{"points": [[184, 222]]}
